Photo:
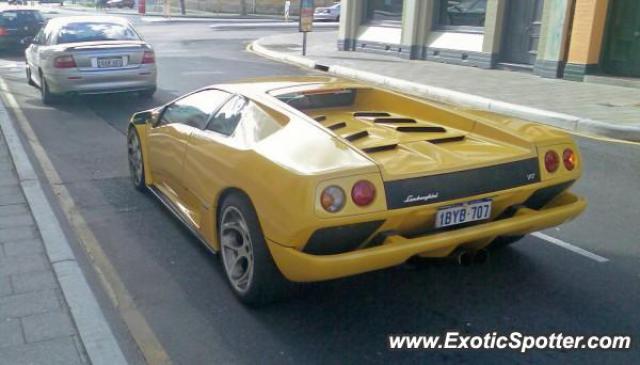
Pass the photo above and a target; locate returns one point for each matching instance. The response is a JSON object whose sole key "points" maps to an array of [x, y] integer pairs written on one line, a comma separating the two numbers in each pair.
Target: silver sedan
{"points": [[90, 55]]}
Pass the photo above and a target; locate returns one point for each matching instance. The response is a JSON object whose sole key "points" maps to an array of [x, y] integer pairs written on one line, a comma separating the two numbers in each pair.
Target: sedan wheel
{"points": [[136, 163]]}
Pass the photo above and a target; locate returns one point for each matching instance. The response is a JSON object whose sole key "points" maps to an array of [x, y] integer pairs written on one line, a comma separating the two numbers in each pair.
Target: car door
{"points": [[169, 137], [211, 159]]}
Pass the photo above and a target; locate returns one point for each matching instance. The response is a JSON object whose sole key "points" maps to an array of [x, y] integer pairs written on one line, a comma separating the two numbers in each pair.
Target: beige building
{"points": [[572, 39]]}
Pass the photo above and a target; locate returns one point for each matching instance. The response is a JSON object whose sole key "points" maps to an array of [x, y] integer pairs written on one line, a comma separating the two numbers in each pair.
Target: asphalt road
{"points": [[533, 287]]}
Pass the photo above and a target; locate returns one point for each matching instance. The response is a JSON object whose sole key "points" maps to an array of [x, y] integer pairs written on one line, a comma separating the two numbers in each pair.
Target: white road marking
{"points": [[570, 247]]}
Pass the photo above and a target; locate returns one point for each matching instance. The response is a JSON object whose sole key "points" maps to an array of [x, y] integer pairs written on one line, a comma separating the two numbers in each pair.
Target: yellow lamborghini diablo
{"points": [[308, 179]]}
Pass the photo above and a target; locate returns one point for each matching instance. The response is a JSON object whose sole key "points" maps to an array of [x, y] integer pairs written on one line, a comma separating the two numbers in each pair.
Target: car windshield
{"points": [[89, 32]]}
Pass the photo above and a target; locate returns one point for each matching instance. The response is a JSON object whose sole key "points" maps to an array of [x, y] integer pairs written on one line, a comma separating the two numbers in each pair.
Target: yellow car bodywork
{"points": [[283, 166]]}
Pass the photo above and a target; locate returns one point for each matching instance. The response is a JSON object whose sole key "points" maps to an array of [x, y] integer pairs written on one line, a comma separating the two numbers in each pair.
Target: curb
{"points": [[94, 331], [559, 120], [271, 25]]}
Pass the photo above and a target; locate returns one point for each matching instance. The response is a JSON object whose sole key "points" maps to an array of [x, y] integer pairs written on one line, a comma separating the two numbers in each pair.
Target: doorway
{"points": [[622, 43], [522, 32]]}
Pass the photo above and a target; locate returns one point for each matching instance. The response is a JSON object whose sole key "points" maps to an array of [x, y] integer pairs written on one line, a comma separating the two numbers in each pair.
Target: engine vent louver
{"points": [[418, 129], [446, 140], [320, 118], [356, 136], [340, 125], [371, 114], [393, 120], [382, 148]]}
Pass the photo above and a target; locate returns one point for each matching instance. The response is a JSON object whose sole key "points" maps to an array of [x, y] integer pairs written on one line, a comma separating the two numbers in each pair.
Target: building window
{"points": [[461, 15], [383, 13]]}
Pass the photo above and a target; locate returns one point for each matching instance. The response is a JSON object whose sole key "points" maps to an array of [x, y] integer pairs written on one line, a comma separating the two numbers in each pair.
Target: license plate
{"points": [[463, 213], [110, 62]]}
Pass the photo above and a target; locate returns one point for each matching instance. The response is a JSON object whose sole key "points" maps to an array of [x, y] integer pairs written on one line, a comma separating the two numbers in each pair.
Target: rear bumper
{"points": [[99, 82], [301, 267]]}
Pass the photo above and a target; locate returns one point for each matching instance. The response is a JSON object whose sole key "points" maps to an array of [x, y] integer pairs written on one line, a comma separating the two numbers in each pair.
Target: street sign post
{"points": [[306, 22]]}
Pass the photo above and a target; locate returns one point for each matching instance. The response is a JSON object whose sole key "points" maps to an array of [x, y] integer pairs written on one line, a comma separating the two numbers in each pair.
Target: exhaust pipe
{"points": [[481, 256], [464, 258]]}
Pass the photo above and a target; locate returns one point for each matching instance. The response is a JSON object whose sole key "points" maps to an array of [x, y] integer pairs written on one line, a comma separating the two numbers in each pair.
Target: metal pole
{"points": [[304, 43]]}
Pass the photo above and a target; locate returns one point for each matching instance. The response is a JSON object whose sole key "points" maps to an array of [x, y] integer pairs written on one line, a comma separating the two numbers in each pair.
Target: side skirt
{"points": [[178, 214]]}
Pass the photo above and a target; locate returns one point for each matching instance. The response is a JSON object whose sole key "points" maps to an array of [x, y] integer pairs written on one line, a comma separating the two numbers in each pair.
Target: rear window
{"points": [[13, 17], [91, 32], [320, 99]]}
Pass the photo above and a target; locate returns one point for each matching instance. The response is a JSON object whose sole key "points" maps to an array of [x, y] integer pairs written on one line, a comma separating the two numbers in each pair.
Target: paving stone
{"points": [[17, 233], [23, 264], [8, 180], [8, 199], [23, 247], [16, 220], [14, 209], [10, 333], [61, 351], [5, 285], [47, 326], [33, 281], [22, 305]]}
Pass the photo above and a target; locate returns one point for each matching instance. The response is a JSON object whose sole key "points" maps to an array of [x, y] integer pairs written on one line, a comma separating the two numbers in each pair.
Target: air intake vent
{"points": [[320, 118], [410, 129], [380, 148], [356, 136], [446, 140], [393, 120], [371, 114], [340, 125]]}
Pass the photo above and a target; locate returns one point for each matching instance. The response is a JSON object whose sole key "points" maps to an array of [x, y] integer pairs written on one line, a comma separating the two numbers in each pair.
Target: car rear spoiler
{"points": [[99, 46]]}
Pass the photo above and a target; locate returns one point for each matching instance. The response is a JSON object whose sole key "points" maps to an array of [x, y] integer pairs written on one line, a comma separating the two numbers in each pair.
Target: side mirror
{"points": [[142, 117]]}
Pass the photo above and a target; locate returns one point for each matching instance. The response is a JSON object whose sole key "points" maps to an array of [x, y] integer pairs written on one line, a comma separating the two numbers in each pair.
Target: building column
{"points": [[493, 24], [350, 19], [552, 50], [414, 23], [587, 34]]}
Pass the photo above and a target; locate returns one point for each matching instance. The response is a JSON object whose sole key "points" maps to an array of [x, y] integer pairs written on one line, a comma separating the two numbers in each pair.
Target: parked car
{"points": [[18, 26], [61, 2], [90, 55], [331, 13], [121, 4], [308, 179]]}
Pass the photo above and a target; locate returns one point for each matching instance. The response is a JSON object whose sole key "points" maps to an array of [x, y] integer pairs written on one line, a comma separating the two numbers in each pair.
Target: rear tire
{"points": [[29, 79], [147, 94], [249, 268], [47, 97]]}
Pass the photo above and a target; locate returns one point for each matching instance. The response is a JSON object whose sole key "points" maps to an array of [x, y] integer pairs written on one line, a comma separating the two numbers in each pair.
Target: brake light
{"points": [[3, 31], [363, 193], [332, 199], [569, 158], [64, 62], [148, 57], [551, 161]]}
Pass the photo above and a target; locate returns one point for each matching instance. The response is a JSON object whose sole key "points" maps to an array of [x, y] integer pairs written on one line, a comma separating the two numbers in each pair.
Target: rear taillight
{"points": [[569, 159], [332, 199], [3, 31], [363, 193], [551, 161], [64, 62], [148, 57]]}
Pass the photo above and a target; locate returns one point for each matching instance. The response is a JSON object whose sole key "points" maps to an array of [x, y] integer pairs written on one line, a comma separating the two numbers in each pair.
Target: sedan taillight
{"points": [[64, 62], [148, 57], [3, 31], [363, 193]]}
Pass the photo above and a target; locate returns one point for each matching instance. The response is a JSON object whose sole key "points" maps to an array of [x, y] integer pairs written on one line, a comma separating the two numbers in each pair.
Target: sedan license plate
{"points": [[463, 213], [110, 62]]}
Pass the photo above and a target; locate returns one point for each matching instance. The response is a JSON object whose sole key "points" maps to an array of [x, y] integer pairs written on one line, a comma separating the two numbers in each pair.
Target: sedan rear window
{"points": [[91, 32]]}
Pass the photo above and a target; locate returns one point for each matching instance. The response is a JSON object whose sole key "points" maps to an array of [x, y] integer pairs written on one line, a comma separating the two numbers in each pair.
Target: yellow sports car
{"points": [[315, 178]]}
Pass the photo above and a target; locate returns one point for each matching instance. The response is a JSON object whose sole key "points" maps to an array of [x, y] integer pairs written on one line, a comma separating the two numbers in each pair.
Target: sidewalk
{"points": [[35, 323], [48, 313], [610, 111]]}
